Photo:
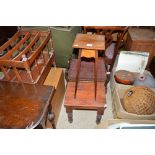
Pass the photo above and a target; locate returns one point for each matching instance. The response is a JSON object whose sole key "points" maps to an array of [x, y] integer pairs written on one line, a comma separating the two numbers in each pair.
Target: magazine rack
{"points": [[27, 57]]}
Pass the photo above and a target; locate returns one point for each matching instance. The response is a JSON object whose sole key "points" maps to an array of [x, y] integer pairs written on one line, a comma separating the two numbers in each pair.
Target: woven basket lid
{"points": [[139, 100], [124, 77]]}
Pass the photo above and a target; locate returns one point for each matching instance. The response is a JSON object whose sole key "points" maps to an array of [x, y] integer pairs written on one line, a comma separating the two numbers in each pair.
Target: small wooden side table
{"points": [[25, 105]]}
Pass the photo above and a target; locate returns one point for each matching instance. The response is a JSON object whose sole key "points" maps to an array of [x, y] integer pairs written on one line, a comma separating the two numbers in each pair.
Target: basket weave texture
{"points": [[139, 100]]}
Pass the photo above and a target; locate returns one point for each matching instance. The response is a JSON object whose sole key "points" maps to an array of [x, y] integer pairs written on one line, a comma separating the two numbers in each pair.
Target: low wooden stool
{"points": [[85, 99]]}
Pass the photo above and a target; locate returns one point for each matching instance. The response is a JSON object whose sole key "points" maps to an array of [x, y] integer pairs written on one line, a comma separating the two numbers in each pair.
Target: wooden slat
{"points": [[6, 44], [16, 61], [25, 32], [38, 50], [18, 57], [9, 53], [17, 74], [5, 73], [18, 64], [33, 32]]}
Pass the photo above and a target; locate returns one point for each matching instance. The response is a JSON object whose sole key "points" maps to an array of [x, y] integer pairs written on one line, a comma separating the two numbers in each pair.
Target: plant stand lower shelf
{"points": [[85, 99]]}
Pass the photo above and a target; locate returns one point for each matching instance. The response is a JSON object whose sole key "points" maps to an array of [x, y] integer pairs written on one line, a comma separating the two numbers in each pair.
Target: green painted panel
{"points": [[63, 39]]}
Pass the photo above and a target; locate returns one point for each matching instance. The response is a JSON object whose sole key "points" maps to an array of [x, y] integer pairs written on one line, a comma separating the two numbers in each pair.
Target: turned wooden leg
{"points": [[95, 72], [78, 72], [100, 112], [70, 114], [51, 117], [106, 82], [70, 117]]}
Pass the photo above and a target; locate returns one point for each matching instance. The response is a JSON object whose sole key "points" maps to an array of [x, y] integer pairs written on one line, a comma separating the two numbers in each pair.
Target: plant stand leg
{"points": [[100, 112], [70, 114]]}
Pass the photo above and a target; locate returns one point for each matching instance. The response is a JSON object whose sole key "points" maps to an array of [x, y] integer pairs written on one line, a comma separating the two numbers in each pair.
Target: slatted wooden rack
{"points": [[27, 57]]}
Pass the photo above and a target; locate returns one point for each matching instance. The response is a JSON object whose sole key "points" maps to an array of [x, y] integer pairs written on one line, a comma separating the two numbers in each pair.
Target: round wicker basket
{"points": [[139, 100]]}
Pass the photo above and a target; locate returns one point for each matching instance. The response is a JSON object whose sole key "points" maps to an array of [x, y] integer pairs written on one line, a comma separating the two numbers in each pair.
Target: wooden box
{"points": [[56, 78], [141, 40]]}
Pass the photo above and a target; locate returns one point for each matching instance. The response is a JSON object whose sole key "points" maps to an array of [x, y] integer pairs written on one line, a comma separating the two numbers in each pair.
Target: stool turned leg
{"points": [[100, 112], [78, 70], [106, 82], [70, 117], [70, 114]]}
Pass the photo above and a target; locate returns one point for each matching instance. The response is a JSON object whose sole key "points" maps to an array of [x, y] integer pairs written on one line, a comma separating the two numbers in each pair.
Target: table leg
{"points": [[69, 111], [51, 116], [100, 112], [78, 72], [95, 72]]}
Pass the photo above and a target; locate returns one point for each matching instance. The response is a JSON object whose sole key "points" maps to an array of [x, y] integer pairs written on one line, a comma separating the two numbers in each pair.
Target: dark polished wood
{"points": [[85, 99], [24, 105], [7, 32]]}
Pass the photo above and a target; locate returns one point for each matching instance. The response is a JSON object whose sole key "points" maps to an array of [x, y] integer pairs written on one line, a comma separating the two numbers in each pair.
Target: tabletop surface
{"points": [[89, 41], [23, 105]]}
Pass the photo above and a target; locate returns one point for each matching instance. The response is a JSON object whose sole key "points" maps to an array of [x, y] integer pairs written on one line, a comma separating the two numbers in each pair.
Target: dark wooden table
{"points": [[24, 105]]}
